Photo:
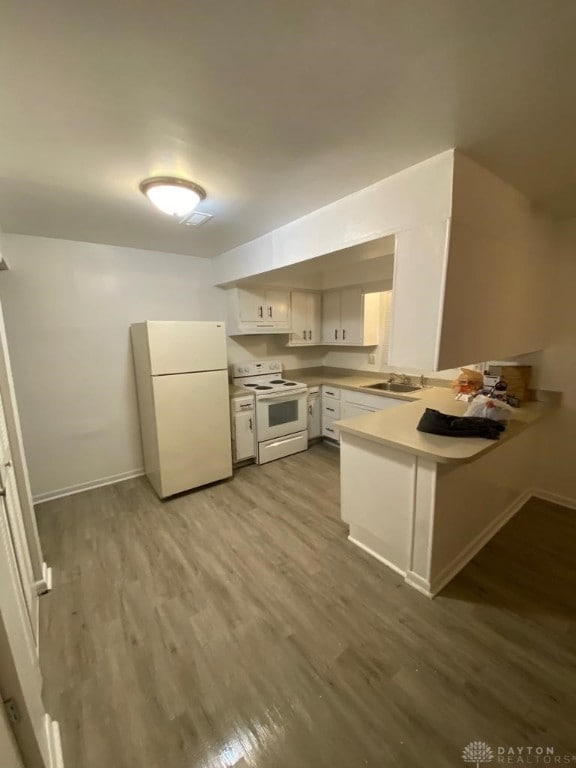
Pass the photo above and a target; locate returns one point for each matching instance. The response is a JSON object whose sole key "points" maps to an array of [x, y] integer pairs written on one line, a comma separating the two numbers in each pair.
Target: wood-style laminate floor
{"points": [[236, 626]]}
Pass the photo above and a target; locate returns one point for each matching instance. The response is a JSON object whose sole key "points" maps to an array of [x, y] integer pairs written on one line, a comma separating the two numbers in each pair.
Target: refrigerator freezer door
{"points": [[193, 424], [185, 347]]}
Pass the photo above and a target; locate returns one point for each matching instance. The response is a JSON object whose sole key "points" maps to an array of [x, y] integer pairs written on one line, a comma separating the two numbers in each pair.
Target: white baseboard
{"points": [[555, 498], [110, 480], [479, 541], [419, 583], [377, 556]]}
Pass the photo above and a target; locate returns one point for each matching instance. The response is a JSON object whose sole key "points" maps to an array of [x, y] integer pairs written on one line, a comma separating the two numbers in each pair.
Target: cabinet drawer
{"points": [[329, 430], [330, 408], [372, 402], [332, 392]]}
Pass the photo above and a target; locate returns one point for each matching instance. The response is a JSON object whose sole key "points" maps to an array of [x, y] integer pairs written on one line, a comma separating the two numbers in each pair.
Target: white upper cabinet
{"points": [[350, 317], [277, 307], [258, 310], [306, 318], [419, 278], [331, 328], [352, 305], [250, 305]]}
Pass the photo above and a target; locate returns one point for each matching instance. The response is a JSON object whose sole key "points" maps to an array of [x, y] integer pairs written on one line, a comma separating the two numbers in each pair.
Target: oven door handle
{"points": [[282, 398]]}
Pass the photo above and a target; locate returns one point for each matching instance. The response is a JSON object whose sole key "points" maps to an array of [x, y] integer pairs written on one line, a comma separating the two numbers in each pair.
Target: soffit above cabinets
{"points": [[370, 262]]}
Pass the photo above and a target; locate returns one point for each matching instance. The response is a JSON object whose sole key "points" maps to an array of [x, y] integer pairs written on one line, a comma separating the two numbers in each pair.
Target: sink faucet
{"points": [[402, 377]]}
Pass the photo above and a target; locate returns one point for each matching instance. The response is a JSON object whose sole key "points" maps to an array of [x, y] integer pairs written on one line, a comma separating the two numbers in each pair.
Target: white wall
{"points": [[68, 307], [497, 271], [241, 348], [555, 443], [415, 197]]}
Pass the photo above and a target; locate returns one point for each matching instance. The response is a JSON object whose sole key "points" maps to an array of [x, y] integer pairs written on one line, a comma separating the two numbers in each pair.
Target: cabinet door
{"points": [[352, 315], [331, 318], [300, 324], [251, 307], [314, 424], [350, 410], [314, 318], [277, 307], [329, 430], [244, 443]]}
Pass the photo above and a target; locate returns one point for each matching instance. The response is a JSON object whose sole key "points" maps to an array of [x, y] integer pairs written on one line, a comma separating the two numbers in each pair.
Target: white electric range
{"points": [[280, 404]]}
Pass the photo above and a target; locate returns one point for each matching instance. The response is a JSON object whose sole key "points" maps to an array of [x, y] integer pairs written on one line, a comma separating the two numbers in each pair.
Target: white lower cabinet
{"points": [[329, 430], [330, 412], [243, 428], [330, 409], [349, 411], [366, 402], [314, 413], [347, 404]]}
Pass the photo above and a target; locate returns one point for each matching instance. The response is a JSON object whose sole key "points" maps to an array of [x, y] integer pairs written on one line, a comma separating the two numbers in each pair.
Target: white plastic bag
{"points": [[489, 408]]}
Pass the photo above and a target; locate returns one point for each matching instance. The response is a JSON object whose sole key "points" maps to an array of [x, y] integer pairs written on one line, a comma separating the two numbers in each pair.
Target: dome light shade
{"points": [[176, 197]]}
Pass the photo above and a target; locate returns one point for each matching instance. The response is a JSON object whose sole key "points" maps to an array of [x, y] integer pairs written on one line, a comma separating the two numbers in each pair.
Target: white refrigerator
{"points": [[182, 383]]}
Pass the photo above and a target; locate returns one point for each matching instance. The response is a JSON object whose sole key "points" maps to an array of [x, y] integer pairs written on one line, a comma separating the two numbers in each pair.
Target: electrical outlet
{"points": [[371, 359]]}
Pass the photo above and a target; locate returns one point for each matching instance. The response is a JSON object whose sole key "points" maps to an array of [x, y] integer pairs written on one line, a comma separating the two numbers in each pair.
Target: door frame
{"points": [[10, 756], [23, 732], [18, 457]]}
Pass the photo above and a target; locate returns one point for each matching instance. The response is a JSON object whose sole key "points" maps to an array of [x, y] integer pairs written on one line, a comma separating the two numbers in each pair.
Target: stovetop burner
{"points": [[260, 387], [289, 383], [277, 381], [250, 385]]}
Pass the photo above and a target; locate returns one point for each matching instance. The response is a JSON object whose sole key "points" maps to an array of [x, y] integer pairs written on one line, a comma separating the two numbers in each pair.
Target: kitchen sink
{"points": [[392, 386]]}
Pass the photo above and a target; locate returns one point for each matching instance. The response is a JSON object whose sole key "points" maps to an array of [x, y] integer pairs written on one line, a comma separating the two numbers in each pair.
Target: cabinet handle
{"points": [[304, 335], [343, 334], [250, 424], [309, 335], [328, 429], [310, 410], [336, 333], [261, 312], [269, 311], [330, 409]]}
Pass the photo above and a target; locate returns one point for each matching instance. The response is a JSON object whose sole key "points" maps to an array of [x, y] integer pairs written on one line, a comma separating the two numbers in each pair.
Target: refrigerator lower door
{"points": [[193, 427]]}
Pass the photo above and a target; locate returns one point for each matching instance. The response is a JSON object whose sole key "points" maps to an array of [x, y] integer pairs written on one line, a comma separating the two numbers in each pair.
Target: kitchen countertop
{"points": [[237, 391], [337, 377], [396, 427], [357, 381]]}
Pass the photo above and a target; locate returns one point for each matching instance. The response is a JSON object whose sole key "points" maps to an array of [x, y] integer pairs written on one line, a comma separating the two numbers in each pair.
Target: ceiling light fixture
{"points": [[176, 197]]}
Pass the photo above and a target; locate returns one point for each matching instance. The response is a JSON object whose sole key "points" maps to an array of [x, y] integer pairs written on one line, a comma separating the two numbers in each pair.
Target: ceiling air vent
{"points": [[195, 219]]}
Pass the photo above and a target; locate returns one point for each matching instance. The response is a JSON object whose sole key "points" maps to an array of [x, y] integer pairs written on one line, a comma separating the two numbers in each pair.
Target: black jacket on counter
{"points": [[437, 423]]}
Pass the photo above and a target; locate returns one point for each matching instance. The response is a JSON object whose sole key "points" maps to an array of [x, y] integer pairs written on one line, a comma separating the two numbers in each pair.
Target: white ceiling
{"points": [[276, 107]]}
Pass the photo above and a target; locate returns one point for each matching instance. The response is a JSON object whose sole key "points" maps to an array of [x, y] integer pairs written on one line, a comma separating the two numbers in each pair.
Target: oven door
{"points": [[280, 414]]}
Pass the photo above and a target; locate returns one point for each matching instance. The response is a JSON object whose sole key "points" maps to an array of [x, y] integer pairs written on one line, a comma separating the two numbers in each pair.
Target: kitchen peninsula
{"points": [[426, 504]]}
